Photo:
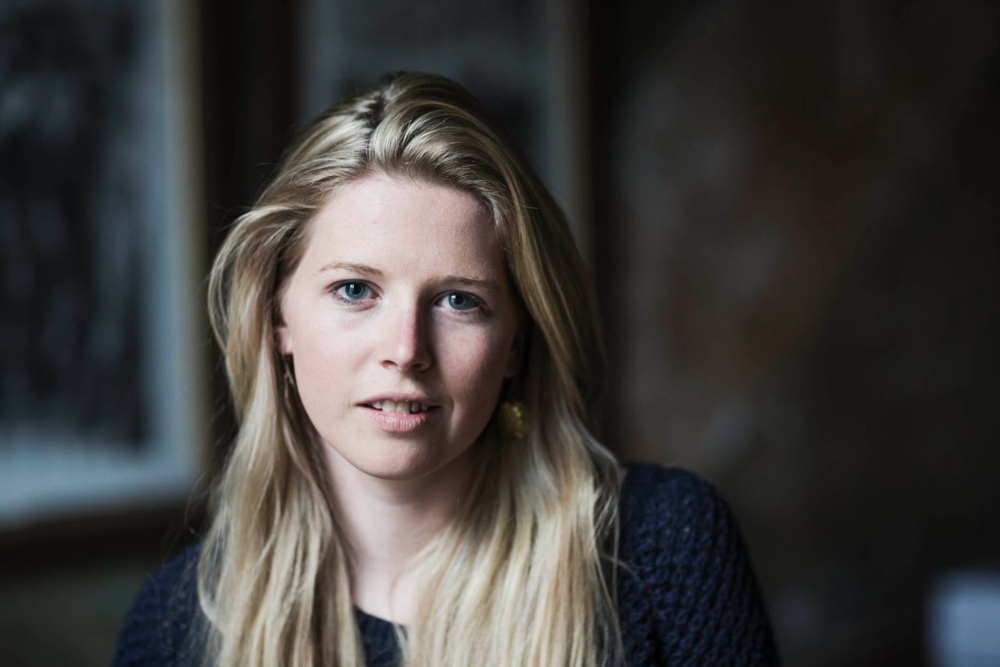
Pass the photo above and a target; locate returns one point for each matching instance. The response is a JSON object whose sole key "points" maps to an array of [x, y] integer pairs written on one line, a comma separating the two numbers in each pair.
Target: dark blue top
{"points": [[688, 595]]}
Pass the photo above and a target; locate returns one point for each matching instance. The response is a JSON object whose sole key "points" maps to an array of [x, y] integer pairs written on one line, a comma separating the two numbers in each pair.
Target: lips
{"points": [[399, 414]]}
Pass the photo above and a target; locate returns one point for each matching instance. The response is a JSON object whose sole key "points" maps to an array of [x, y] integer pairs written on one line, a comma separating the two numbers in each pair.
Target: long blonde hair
{"points": [[521, 574]]}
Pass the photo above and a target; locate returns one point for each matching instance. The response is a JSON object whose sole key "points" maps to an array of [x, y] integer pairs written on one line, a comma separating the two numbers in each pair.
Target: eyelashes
{"points": [[352, 291], [356, 293], [462, 301]]}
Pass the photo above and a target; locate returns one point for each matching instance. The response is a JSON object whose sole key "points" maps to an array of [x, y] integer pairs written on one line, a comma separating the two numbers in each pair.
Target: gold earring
{"points": [[512, 420]]}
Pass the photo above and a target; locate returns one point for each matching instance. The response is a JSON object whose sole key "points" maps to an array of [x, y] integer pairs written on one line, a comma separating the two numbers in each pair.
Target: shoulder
{"points": [[676, 528], [668, 505], [648, 487], [158, 625], [685, 564]]}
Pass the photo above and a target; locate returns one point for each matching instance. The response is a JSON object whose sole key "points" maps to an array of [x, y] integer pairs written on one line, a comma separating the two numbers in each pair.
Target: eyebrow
{"points": [[365, 270], [464, 281]]}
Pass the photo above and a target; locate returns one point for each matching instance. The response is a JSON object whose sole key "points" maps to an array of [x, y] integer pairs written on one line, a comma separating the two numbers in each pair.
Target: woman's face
{"points": [[401, 325]]}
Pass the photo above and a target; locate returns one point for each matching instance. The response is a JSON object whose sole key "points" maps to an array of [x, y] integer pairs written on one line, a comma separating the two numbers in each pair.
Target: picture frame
{"points": [[104, 382]]}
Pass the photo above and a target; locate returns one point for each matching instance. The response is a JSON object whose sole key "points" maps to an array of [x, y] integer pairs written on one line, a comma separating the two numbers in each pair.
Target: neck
{"points": [[388, 523]]}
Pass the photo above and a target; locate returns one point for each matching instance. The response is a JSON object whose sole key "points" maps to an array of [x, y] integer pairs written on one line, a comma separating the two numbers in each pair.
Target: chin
{"points": [[397, 462]]}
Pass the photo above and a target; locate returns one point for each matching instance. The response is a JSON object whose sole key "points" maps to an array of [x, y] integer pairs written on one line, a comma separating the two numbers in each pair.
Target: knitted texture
{"points": [[687, 593]]}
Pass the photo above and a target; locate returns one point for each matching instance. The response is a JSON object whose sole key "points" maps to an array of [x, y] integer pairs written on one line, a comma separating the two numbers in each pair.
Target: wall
{"points": [[801, 285]]}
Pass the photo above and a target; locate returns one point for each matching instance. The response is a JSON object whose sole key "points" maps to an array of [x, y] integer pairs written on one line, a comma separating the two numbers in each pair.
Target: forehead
{"points": [[401, 223]]}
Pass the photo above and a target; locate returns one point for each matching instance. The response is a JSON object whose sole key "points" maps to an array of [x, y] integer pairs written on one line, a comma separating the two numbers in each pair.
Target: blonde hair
{"points": [[521, 575]]}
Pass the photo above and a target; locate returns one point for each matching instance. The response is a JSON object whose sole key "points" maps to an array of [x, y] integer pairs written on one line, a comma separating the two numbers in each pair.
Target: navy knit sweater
{"points": [[688, 596]]}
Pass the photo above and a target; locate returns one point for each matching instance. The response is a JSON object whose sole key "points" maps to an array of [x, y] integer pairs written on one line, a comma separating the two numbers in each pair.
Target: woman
{"points": [[413, 354]]}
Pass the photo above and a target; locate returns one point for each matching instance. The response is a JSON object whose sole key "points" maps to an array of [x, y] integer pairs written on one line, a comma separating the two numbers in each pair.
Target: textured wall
{"points": [[804, 287]]}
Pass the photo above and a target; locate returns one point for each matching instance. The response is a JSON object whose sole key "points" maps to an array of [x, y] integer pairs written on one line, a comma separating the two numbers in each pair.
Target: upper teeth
{"points": [[405, 407]]}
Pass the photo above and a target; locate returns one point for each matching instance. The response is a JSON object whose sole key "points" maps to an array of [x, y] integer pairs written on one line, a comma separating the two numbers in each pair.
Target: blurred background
{"points": [[791, 213]]}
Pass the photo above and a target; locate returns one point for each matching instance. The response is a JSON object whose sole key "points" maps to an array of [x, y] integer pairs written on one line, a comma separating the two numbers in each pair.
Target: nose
{"points": [[406, 345]]}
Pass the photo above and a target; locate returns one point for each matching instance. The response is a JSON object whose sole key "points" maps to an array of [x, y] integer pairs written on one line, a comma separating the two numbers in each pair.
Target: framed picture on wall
{"points": [[102, 386]]}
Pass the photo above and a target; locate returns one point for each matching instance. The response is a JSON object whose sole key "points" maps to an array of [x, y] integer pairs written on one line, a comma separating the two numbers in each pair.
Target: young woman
{"points": [[413, 354]]}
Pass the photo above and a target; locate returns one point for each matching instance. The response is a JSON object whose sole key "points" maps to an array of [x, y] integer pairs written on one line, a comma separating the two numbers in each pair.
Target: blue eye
{"points": [[352, 291], [460, 301]]}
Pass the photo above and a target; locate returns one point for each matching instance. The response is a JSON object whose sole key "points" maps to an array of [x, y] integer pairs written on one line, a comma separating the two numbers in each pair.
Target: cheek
{"points": [[323, 357], [318, 333], [474, 368]]}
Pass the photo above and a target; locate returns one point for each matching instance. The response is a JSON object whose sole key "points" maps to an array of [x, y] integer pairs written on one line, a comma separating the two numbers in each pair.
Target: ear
{"points": [[283, 339], [516, 353], [513, 365], [282, 336]]}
